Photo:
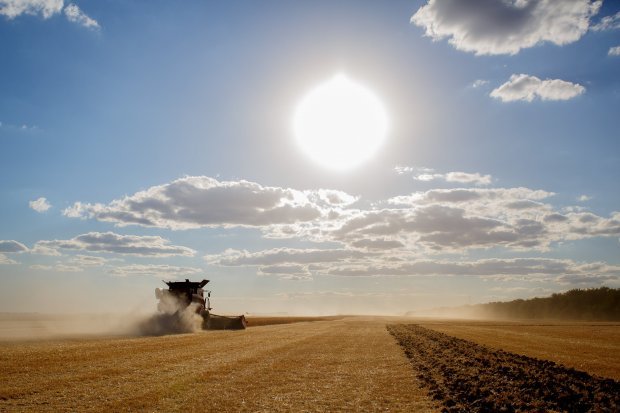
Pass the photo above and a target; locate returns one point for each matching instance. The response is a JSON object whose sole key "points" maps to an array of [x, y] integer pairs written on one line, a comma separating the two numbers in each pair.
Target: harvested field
{"points": [[351, 364], [254, 321], [468, 377], [590, 347]]}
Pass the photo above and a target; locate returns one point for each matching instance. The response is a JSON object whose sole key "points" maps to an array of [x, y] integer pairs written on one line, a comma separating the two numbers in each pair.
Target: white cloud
{"points": [[614, 51], [436, 221], [542, 268], [428, 174], [75, 15], [40, 204], [200, 201], [489, 27], [584, 198], [468, 178], [479, 83], [152, 246], [168, 272], [4, 260], [44, 8], [12, 246], [87, 261], [278, 256], [286, 271], [608, 23], [527, 88]]}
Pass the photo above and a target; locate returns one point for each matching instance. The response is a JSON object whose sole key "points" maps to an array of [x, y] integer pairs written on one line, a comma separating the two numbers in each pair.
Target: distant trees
{"points": [[601, 304]]}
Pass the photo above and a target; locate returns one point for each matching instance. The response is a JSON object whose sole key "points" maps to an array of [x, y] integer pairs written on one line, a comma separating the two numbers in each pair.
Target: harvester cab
{"points": [[189, 296]]}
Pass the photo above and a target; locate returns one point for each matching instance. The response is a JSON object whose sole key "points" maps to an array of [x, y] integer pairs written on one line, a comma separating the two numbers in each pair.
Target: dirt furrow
{"points": [[467, 377]]}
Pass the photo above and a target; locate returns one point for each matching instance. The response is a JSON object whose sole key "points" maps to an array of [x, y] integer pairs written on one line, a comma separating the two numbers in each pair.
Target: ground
{"points": [[340, 364]]}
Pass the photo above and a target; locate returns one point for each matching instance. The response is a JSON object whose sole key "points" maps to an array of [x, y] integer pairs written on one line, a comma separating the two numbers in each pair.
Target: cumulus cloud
{"points": [[503, 268], [167, 272], [43, 8], [527, 88], [614, 51], [277, 256], [87, 261], [428, 174], [4, 260], [200, 201], [46, 9], [12, 246], [490, 27], [608, 23], [286, 271], [400, 228], [75, 15], [40, 205], [152, 246]]}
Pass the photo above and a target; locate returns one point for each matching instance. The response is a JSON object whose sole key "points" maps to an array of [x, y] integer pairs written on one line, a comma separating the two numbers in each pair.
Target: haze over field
{"points": [[351, 157]]}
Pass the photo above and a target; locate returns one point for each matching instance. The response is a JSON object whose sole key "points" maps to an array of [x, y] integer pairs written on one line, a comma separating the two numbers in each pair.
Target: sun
{"points": [[340, 123]]}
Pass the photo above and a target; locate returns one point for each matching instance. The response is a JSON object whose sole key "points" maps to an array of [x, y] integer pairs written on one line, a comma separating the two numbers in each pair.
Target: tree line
{"points": [[590, 304]]}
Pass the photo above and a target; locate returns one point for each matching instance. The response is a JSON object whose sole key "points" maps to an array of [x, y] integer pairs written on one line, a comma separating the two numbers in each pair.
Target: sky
{"points": [[143, 141]]}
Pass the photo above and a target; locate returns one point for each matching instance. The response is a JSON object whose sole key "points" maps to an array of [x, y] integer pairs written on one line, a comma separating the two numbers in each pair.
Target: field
{"points": [[333, 364]]}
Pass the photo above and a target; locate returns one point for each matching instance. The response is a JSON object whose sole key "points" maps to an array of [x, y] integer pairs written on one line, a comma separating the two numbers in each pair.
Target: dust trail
{"points": [[173, 318]]}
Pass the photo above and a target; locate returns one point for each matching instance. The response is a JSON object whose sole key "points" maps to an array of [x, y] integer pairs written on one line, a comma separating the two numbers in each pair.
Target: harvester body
{"points": [[183, 297]]}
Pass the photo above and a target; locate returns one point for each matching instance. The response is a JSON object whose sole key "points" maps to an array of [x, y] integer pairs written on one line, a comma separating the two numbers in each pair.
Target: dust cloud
{"points": [[173, 318]]}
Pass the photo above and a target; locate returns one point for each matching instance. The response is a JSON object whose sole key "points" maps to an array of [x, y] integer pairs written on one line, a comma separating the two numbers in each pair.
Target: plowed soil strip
{"points": [[468, 377]]}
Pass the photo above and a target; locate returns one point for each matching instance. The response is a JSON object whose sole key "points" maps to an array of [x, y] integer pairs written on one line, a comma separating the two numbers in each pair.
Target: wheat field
{"points": [[280, 364], [350, 364]]}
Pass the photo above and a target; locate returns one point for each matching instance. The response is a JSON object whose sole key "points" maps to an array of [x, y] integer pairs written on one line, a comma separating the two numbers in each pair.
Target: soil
{"points": [[468, 377]]}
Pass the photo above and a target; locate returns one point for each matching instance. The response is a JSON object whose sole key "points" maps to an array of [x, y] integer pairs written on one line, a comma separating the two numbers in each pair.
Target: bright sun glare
{"points": [[340, 123]]}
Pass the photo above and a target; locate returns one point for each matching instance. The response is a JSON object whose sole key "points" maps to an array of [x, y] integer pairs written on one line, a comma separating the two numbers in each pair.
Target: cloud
{"points": [[436, 221], [479, 83], [152, 246], [44, 8], [167, 272], [286, 271], [468, 178], [584, 198], [428, 174], [287, 264], [277, 256], [490, 27], [527, 88], [75, 15], [200, 201], [456, 220], [4, 260], [40, 205], [607, 23], [506, 269], [87, 261], [58, 267], [614, 51], [12, 246]]}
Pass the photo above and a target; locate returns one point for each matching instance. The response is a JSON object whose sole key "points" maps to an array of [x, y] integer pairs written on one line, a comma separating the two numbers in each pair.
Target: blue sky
{"points": [[160, 137]]}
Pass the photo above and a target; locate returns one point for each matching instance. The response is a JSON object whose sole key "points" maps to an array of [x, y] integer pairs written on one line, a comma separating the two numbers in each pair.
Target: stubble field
{"points": [[340, 364]]}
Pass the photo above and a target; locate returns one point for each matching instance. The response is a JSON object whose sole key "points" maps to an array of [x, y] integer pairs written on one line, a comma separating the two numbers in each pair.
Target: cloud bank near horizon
{"points": [[394, 236]]}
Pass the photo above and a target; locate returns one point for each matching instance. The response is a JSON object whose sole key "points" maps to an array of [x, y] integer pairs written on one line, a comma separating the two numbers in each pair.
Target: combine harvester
{"points": [[185, 299]]}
